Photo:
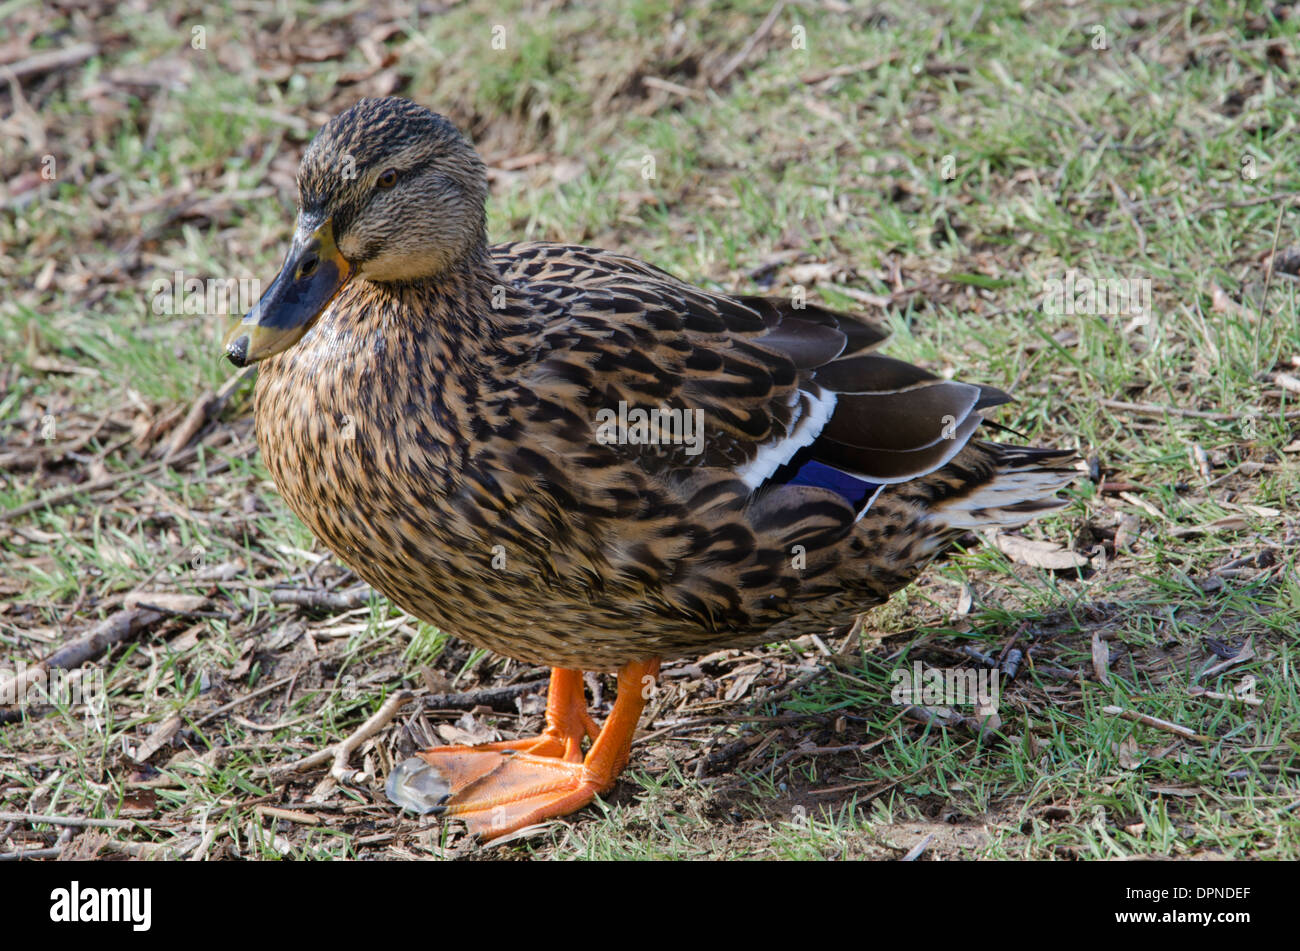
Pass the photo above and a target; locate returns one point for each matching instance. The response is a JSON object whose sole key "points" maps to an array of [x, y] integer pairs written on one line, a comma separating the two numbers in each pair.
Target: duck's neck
{"points": [[457, 303]]}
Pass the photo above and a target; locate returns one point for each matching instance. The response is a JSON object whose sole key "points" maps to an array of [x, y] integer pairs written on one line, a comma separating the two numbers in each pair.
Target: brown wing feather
{"points": [[625, 332]]}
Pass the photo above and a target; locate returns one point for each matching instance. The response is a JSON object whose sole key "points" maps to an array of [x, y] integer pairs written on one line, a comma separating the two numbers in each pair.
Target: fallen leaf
{"points": [[1127, 531], [1223, 304], [1263, 511], [966, 601], [1100, 658], [811, 273], [467, 731], [1130, 756], [1038, 554], [158, 739], [222, 572], [744, 679]]}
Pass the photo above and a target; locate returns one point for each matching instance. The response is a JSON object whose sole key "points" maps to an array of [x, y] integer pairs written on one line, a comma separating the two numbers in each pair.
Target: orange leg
{"points": [[500, 787]]}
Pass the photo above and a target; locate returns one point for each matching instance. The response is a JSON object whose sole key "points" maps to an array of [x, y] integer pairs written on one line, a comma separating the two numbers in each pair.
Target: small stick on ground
{"points": [[1144, 505], [1159, 724], [1246, 653], [78, 822], [226, 707], [289, 815], [917, 850], [716, 758], [755, 38], [50, 61], [316, 599], [985, 728], [793, 686], [114, 629], [1152, 409], [1209, 695], [205, 408], [341, 752], [974, 653], [806, 750], [151, 851], [21, 855], [195, 419], [849, 69], [495, 697], [686, 92], [1287, 382]]}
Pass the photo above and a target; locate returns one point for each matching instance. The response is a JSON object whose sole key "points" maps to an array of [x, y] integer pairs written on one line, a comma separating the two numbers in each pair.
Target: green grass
{"points": [[981, 151]]}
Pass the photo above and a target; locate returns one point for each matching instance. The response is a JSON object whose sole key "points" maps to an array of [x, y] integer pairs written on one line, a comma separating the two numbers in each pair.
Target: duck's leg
{"points": [[497, 788], [567, 722]]}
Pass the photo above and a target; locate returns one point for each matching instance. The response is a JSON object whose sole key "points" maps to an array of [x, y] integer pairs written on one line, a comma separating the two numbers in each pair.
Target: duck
{"points": [[574, 459]]}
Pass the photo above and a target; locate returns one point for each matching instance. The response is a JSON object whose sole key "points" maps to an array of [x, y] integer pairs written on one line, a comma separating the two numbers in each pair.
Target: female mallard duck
{"points": [[574, 459]]}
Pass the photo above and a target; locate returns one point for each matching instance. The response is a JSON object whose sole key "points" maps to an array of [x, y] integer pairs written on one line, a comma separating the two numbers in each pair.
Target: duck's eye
{"points": [[388, 179]]}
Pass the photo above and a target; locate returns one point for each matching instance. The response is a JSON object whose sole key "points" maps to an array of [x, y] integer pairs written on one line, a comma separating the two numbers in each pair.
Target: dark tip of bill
{"points": [[237, 350]]}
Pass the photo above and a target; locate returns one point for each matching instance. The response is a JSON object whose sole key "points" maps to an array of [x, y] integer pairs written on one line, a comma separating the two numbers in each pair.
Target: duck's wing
{"points": [[777, 393]]}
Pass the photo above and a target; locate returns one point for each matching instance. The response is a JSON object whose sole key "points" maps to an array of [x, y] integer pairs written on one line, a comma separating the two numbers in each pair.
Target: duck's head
{"points": [[388, 191]]}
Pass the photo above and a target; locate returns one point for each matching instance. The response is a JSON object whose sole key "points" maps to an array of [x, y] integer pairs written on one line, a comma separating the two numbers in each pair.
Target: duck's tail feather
{"points": [[993, 486]]}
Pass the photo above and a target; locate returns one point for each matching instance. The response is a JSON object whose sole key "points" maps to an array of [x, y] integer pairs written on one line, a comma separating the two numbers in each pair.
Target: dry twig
{"points": [[755, 38], [341, 752], [1159, 724]]}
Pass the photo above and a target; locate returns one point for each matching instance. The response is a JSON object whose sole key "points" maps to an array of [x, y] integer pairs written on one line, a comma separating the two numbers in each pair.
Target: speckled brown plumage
{"points": [[439, 435]]}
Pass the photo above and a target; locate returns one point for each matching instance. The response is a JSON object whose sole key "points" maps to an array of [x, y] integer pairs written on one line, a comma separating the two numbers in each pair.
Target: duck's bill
{"points": [[313, 273]]}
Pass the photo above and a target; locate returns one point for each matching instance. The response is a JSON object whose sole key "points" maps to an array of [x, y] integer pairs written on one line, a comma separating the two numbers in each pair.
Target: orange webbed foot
{"points": [[499, 788], [494, 792]]}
